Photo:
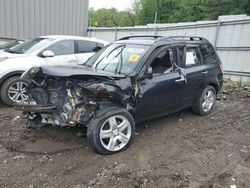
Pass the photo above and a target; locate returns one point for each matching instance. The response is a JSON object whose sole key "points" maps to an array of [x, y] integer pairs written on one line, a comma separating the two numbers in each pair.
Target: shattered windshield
{"points": [[117, 58]]}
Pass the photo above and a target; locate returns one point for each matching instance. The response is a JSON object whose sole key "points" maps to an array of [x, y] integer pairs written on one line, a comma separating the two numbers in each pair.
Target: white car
{"points": [[10, 44], [44, 50]]}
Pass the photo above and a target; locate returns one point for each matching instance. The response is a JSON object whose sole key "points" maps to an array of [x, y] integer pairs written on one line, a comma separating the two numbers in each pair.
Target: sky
{"points": [[118, 4]]}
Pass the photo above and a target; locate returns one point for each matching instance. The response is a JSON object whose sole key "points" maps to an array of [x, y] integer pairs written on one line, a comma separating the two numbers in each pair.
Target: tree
{"points": [[110, 17], [145, 11], [170, 11]]}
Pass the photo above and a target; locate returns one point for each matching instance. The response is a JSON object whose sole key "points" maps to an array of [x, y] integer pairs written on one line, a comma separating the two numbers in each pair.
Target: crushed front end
{"points": [[72, 99]]}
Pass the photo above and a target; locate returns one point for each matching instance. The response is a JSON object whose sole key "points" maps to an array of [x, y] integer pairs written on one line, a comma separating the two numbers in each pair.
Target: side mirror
{"points": [[48, 53], [147, 74]]}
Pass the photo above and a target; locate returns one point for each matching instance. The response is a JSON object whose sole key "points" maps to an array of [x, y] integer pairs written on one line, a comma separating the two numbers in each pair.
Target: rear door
{"points": [[213, 65], [196, 72]]}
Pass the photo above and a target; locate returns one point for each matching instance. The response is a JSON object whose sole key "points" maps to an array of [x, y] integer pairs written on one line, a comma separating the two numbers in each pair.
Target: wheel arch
{"points": [[11, 74], [214, 82], [105, 107], [215, 86]]}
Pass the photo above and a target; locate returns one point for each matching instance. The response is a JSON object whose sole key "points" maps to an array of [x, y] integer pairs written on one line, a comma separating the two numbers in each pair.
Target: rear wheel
{"points": [[13, 91], [204, 104], [112, 132]]}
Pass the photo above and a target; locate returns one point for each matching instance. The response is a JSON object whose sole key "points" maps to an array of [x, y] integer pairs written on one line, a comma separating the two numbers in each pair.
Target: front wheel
{"points": [[13, 91], [112, 132], [204, 104]]}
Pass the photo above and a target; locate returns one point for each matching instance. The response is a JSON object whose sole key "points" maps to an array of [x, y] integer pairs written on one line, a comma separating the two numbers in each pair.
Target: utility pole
{"points": [[155, 29], [90, 20]]}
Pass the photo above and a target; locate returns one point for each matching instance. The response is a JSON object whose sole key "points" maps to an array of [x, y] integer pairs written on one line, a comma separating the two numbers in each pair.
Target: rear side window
{"points": [[208, 53], [86, 46], [192, 57]]}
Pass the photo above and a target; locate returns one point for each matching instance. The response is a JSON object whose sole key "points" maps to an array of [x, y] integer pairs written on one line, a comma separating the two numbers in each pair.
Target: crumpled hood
{"points": [[67, 71]]}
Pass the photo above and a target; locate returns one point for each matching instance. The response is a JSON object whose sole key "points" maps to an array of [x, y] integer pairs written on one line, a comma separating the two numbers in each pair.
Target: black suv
{"points": [[131, 80]]}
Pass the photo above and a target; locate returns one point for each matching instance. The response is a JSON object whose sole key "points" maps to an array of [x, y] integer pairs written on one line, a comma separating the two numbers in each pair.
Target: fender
{"points": [[14, 73], [105, 107], [97, 111]]}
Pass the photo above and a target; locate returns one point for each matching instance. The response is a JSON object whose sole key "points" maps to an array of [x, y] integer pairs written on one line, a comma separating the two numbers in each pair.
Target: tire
{"points": [[8, 96], [100, 141], [205, 103]]}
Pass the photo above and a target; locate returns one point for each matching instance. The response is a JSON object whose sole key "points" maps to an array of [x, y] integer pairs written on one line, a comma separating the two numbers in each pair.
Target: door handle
{"points": [[204, 72]]}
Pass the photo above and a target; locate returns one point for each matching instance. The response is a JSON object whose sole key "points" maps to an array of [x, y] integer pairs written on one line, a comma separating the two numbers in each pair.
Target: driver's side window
{"points": [[62, 47], [164, 62]]}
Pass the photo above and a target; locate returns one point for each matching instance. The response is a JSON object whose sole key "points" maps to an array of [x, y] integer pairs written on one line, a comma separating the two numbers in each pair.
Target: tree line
{"points": [[168, 11]]}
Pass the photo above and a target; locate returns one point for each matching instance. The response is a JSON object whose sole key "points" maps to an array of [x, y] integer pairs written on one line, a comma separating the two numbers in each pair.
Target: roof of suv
{"points": [[150, 40], [140, 42]]}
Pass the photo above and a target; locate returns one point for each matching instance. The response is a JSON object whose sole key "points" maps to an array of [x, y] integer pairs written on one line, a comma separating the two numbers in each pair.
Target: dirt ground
{"points": [[179, 150]]}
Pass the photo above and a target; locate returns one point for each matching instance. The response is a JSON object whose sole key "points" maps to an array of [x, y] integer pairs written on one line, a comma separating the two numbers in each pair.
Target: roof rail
{"points": [[190, 38], [140, 36]]}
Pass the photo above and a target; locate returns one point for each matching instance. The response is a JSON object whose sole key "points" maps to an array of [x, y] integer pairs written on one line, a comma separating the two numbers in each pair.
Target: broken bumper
{"points": [[35, 108]]}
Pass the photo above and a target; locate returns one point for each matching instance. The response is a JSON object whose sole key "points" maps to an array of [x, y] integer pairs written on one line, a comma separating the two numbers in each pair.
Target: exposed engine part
{"points": [[63, 102], [68, 101]]}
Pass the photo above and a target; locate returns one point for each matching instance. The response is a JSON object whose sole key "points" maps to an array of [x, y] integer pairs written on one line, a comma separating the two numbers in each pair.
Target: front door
{"points": [[64, 54], [162, 94]]}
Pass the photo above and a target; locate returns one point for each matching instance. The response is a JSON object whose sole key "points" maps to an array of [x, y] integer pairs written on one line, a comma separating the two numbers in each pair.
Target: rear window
{"points": [[208, 53]]}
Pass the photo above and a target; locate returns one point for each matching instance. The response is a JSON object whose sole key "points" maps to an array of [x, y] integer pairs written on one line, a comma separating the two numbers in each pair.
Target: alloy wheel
{"points": [[115, 133], [208, 100], [17, 92]]}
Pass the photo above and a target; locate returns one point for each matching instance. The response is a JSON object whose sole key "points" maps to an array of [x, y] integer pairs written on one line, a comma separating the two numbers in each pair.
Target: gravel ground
{"points": [[179, 150]]}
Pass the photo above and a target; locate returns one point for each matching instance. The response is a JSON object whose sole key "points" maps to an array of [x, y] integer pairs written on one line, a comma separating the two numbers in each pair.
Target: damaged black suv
{"points": [[131, 80]]}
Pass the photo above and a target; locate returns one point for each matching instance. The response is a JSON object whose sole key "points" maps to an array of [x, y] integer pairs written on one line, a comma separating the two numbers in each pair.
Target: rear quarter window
{"points": [[192, 57], [208, 53]]}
